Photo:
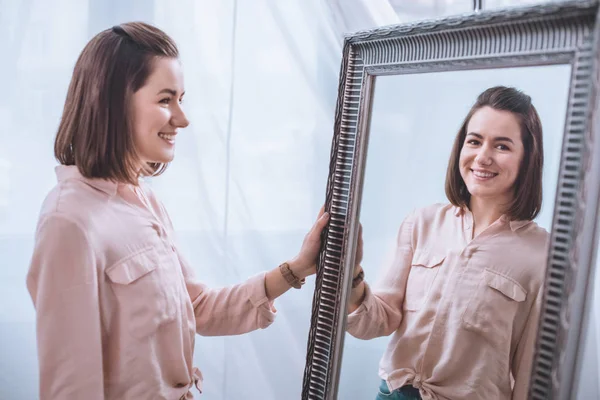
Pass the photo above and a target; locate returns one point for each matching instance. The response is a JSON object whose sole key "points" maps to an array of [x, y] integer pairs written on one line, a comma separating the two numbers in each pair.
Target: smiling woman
{"points": [[498, 153], [458, 288], [117, 305], [109, 95], [158, 113]]}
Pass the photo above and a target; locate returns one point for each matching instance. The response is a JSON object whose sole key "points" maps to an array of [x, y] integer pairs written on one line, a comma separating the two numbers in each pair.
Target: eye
{"points": [[502, 147], [166, 100], [181, 100], [473, 142]]}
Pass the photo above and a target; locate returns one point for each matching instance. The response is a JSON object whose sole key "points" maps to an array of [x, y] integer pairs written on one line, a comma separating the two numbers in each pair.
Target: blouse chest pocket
{"points": [[423, 271], [144, 287], [493, 308]]}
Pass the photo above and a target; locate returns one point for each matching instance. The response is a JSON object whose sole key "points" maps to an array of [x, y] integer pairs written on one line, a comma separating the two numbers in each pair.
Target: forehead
{"points": [[490, 122], [166, 73]]}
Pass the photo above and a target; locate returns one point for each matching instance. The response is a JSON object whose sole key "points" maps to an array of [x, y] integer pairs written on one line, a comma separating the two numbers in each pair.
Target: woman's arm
{"points": [[357, 295], [63, 284], [303, 265], [248, 306], [523, 358], [379, 312]]}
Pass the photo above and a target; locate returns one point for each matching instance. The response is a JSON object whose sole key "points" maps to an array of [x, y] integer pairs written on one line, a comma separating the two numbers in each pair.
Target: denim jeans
{"points": [[404, 393]]}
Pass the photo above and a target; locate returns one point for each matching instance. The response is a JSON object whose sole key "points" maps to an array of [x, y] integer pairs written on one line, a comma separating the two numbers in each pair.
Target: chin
{"points": [[478, 191], [486, 194], [479, 194], [164, 158]]}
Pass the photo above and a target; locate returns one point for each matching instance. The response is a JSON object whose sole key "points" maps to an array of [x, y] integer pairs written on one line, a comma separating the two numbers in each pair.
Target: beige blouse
{"points": [[117, 305], [463, 313]]}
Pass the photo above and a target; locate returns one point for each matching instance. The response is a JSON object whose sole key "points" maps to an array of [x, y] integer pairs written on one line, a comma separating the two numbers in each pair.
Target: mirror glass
{"points": [[463, 291]]}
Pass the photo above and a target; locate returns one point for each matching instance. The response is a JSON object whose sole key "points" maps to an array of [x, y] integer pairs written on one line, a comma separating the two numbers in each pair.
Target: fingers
{"points": [[320, 224], [322, 215], [357, 270], [359, 245]]}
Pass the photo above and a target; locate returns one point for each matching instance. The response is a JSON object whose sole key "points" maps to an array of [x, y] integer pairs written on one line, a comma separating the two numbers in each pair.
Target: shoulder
{"points": [[531, 237], [433, 212], [75, 201], [432, 219], [535, 232], [535, 240], [63, 210]]}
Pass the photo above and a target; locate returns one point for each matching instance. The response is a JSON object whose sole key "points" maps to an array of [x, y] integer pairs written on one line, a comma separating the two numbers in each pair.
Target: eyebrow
{"points": [[497, 139], [170, 91]]}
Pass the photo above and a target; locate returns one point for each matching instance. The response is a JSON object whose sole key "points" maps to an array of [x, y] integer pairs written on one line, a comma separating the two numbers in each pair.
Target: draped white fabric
{"points": [[249, 174]]}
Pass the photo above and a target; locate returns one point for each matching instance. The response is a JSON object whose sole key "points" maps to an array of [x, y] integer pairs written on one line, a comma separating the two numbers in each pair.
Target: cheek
{"points": [[159, 117], [514, 164], [152, 119], [464, 158], [510, 167], [463, 164]]}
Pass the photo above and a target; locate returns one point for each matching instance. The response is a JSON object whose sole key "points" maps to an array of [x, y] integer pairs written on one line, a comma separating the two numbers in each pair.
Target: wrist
{"points": [[298, 268], [358, 278], [357, 271], [293, 278]]}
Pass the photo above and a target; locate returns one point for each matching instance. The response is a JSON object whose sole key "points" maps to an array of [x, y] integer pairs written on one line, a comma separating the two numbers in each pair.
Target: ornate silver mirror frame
{"points": [[554, 33]]}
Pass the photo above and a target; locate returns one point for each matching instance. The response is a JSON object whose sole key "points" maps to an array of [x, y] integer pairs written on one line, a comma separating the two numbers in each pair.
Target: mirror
{"points": [[471, 300], [414, 121]]}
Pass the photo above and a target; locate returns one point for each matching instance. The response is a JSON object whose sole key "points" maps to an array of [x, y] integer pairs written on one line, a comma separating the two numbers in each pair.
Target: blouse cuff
{"points": [[258, 297], [367, 304]]}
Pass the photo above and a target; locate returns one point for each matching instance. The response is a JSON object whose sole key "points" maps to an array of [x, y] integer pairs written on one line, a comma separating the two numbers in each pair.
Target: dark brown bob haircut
{"points": [[95, 131], [527, 199]]}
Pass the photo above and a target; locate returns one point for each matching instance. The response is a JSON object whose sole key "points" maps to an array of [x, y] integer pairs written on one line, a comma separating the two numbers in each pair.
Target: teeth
{"points": [[170, 138], [483, 174]]}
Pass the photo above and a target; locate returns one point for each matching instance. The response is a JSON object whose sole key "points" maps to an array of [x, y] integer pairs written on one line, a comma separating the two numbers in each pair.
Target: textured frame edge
{"points": [[578, 302], [368, 88]]}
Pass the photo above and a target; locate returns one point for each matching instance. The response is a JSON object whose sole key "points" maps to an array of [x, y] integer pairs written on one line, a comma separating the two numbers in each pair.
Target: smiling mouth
{"points": [[168, 137], [483, 174]]}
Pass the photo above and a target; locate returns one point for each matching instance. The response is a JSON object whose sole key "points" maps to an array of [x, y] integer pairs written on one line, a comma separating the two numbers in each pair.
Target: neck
{"points": [[485, 212]]}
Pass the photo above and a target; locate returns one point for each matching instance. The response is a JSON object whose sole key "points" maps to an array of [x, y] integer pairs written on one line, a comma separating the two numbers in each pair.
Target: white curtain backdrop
{"points": [[249, 174]]}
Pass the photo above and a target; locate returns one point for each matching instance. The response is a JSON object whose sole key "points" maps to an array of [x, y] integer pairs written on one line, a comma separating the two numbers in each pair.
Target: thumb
{"points": [[322, 221]]}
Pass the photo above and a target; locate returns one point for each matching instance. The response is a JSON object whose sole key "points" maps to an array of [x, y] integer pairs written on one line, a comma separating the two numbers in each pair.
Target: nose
{"points": [[178, 118], [483, 157]]}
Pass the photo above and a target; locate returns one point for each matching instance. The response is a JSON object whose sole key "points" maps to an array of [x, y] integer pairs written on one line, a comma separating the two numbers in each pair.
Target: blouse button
{"points": [[417, 382], [157, 228], [470, 251]]}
